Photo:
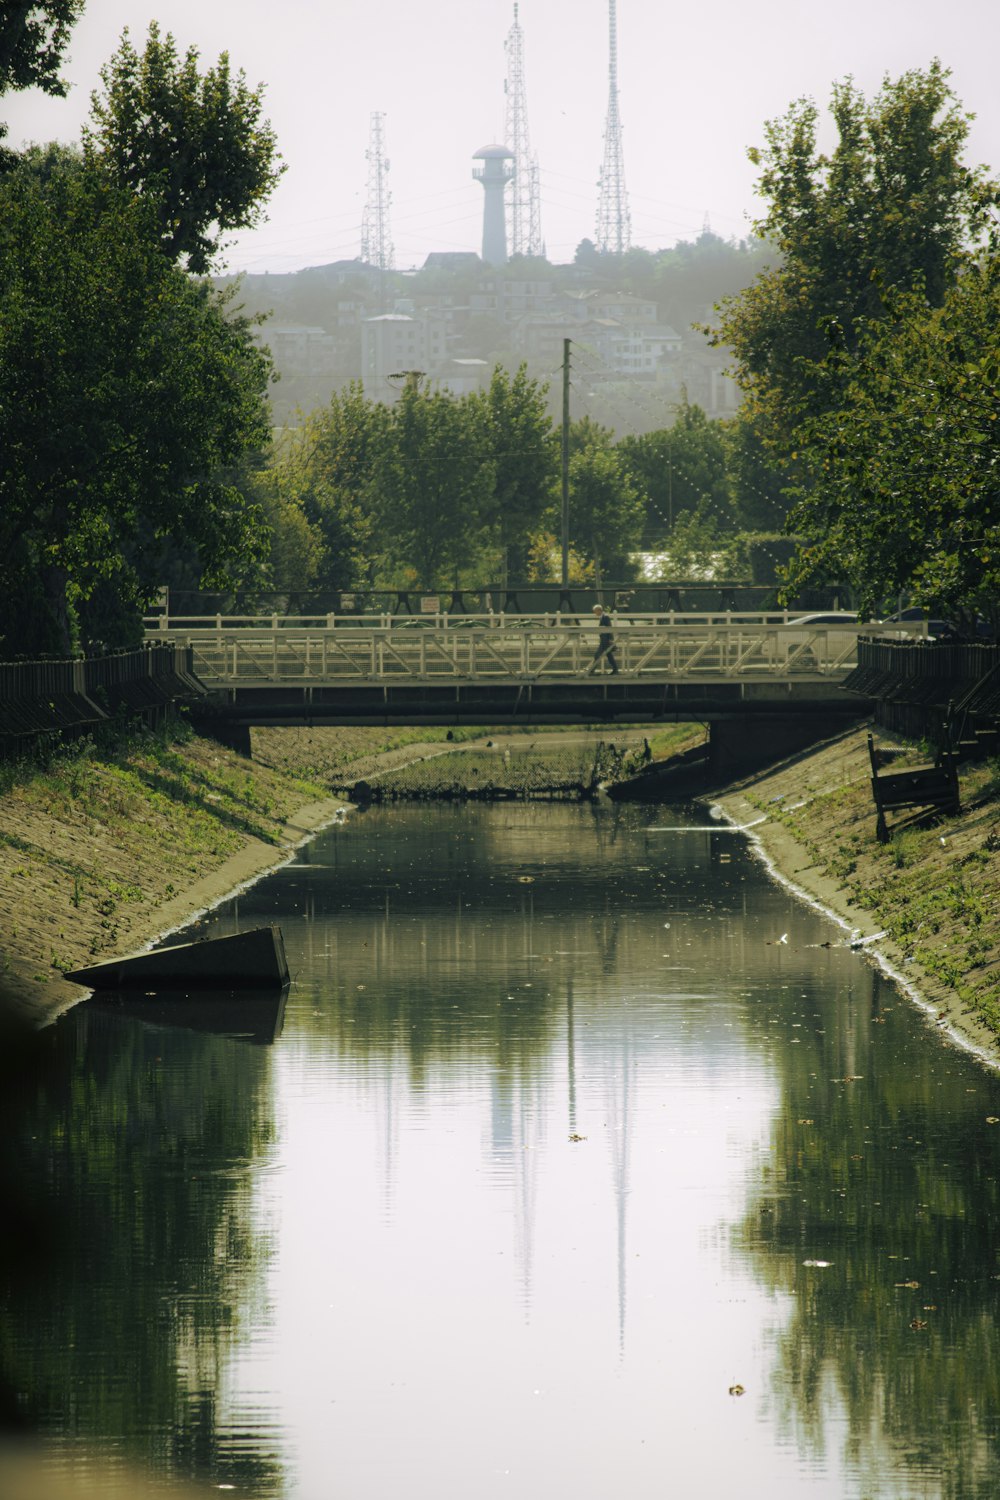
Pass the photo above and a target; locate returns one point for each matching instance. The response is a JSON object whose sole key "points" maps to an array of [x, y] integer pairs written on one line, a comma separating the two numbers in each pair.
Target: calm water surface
{"points": [[581, 1162]]}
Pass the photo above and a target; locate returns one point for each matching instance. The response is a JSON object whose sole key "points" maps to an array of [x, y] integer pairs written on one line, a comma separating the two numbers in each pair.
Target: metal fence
{"points": [[929, 689], [70, 697]]}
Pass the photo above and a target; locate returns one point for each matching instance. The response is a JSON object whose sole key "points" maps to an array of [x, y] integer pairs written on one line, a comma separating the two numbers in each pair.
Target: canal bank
{"points": [[100, 857], [102, 852], [925, 906]]}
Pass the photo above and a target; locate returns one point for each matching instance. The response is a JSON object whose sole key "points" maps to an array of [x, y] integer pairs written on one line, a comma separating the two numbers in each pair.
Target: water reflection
{"points": [[132, 1261], [560, 1144]]}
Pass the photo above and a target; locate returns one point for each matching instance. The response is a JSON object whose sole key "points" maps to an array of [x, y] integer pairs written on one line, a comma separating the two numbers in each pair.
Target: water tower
{"points": [[494, 174]]}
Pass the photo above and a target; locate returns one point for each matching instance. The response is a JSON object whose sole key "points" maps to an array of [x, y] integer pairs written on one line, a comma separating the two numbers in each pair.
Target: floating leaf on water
{"points": [[918, 1323], [526, 879], [805, 1122], [910, 1285], [822, 1264], [993, 1119]]}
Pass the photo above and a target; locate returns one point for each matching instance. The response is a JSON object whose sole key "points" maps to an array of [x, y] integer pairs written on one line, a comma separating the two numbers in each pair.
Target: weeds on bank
{"points": [[934, 888]]}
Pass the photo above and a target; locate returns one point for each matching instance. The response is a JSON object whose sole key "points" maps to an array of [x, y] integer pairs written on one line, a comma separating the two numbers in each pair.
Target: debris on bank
{"points": [[925, 904], [497, 774]]}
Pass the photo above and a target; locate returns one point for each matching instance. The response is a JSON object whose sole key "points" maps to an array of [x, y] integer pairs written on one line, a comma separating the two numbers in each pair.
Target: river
{"points": [[582, 1161]]}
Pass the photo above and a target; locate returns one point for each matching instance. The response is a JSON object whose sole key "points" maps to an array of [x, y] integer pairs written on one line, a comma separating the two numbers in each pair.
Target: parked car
{"points": [[937, 630], [811, 641], [824, 617]]}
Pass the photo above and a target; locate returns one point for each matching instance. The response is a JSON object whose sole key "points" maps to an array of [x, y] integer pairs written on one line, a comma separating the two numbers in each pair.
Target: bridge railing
{"points": [[170, 625], [730, 647]]}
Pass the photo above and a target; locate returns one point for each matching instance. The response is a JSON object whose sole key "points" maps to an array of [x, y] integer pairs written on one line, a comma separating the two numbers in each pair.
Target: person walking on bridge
{"points": [[605, 642]]}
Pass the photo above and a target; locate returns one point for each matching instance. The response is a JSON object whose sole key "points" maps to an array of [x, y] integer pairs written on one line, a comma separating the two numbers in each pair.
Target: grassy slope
{"points": [[94, 843], [98, 846], [934, 888]]}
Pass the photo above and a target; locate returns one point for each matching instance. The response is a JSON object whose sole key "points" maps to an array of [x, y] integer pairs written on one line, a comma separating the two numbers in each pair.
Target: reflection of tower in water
{"points": [[619, 1101], [518, 1117]]}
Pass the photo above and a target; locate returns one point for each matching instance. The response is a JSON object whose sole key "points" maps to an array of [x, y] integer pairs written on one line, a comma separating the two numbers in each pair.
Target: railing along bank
{"points": [[70, 696], [920, 686]]}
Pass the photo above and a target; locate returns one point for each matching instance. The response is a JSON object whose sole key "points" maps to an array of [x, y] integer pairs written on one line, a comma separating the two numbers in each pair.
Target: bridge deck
{"points": [[484, 668]]}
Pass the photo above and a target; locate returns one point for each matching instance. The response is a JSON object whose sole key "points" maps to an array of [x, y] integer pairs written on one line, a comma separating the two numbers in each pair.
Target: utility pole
{"points": [[565, 465], [411, 378]]}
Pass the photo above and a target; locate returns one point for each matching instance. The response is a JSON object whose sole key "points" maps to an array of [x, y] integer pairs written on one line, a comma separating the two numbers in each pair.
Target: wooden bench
{"points": [[920, 786]]}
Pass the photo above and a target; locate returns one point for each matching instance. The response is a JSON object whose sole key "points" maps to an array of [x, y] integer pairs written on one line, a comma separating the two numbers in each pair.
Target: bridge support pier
{"points": [[738, 745]]}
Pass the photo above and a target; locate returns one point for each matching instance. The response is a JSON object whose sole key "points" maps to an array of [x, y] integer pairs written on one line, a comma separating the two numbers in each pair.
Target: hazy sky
{"points": [[696, 82]]}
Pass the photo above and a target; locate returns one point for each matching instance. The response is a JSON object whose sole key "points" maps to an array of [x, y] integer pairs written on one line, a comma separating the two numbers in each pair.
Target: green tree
{"points": [[889, 208], [33, 38], [586, 433], [128, 399], [903, 490], [194, 145], [606, 510], [757, 481], [321, 489], [524, 458], [435, 481], [680, 469], [297, 553]]}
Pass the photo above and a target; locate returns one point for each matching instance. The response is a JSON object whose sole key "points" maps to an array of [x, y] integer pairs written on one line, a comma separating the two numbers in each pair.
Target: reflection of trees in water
{"points": [[129, 1154], [873, 1173]]}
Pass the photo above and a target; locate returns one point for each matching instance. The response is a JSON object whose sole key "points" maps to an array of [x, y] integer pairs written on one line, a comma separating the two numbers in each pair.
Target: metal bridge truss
{"points": [[246, 651]]}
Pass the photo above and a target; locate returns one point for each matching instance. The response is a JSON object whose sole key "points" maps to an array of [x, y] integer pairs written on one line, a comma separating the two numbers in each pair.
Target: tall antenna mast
{"points": [[376, 242], [614, 224], [525, 214]]}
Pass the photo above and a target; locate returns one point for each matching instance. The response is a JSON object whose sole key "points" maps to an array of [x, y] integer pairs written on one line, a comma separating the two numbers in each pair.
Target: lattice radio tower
{"points": [[614, 224], [376, 242], [525, 212]]}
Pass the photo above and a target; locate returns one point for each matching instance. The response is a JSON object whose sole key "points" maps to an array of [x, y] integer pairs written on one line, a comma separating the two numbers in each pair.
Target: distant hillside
{"points": [[630, 318]]}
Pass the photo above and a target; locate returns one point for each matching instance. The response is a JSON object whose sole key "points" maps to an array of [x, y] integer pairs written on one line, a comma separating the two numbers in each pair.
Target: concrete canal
{"points": [[582, 1160]]}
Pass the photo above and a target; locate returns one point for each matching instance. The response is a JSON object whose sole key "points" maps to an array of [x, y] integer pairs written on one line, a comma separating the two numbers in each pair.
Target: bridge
{"points": [[502, 668]]}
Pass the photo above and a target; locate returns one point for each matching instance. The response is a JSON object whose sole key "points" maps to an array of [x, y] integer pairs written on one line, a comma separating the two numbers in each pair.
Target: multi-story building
{"points": [[305, 349], [400, 343], [643, 350]]}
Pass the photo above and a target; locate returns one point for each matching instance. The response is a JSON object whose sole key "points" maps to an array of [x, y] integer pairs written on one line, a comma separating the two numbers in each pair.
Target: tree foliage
{"points": [[434, 481], [606, 510], [905, 472], [679, 469], [194, 145], [757, 480], [33, 38], [867, 351], [320, 495], [127, 399], [889, 208], [524, 459]]}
